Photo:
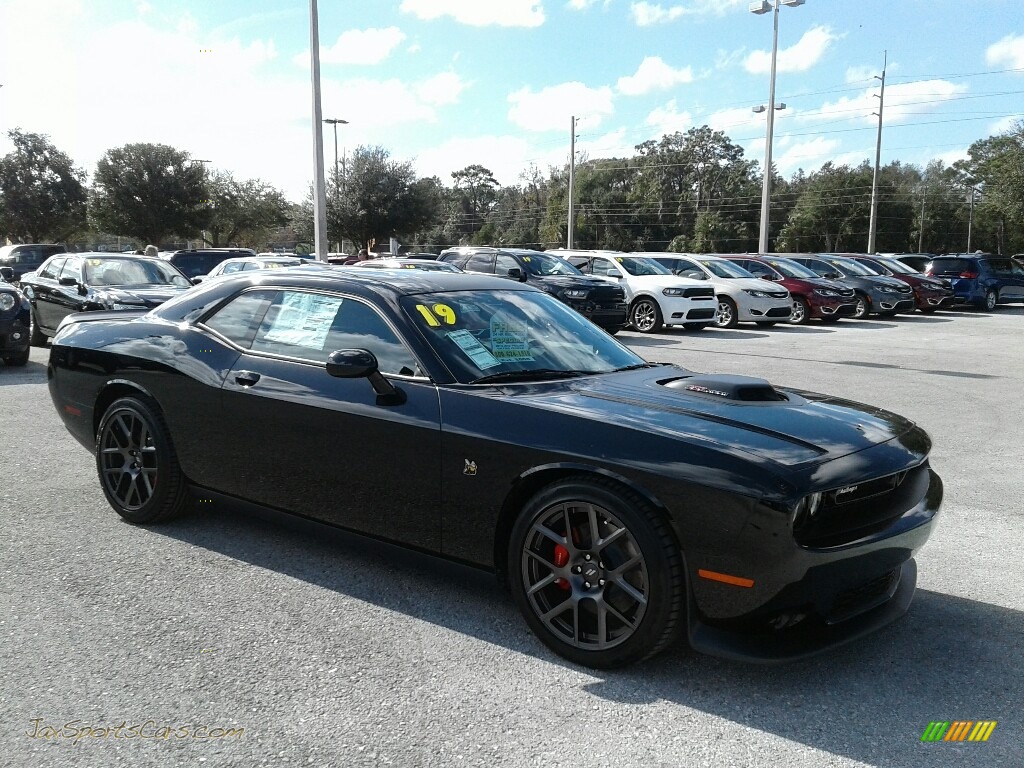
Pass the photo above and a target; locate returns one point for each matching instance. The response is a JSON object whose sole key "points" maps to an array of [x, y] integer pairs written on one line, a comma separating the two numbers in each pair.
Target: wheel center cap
{"points": [[591, 572]]}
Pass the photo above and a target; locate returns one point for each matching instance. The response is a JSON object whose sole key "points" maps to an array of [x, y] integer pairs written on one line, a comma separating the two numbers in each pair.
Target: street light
{"points": [[335, 121], [319, 188], [761, 7]]}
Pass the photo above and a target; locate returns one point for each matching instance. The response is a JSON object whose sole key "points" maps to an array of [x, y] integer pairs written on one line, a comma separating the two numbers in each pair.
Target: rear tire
{"points": [[991, 301], [610, 559], [137, 464]]}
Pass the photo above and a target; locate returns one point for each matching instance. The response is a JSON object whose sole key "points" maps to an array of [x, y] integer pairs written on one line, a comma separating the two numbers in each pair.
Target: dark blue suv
{"points": [[980, 279]]}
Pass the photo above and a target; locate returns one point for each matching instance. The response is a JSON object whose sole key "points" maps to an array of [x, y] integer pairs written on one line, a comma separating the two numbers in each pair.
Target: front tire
{"points": [[726, 315], [801, 313], [863, 307], [137, 464], [596, 573], [645, 315], [18, 360]]}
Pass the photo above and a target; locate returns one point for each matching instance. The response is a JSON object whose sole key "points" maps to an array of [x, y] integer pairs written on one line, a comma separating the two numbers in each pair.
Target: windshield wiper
{"points": [[539, 374], [634, 367]]}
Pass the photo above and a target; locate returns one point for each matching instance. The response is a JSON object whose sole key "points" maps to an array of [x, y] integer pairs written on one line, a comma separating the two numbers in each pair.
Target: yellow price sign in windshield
{"points": [[437, 313]]}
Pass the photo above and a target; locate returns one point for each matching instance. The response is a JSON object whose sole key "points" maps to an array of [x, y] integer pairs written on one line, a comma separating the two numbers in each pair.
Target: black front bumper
{"points": [[14, 335]]}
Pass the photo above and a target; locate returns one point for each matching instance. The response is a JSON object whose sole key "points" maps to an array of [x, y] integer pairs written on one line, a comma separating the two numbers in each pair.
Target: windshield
{"points": [[132, 272], [898, 267], [513, 334], [542, 265], [850, 267], [724, 268], [792, 269], [641, 265]]}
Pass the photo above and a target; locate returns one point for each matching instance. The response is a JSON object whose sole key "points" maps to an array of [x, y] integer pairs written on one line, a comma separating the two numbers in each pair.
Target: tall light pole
{"points": [[873, 225], [335, 122], [761, 7], [572, 178], [319, 187]]}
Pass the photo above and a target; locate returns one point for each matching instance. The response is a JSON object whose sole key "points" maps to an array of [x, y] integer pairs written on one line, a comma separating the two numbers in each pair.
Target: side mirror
{"points": [[770, 278], [693, 274], [612, 272], [8, 274], [516, 274], [832, 275], [362, 364], [68, 281], [198, 279]]}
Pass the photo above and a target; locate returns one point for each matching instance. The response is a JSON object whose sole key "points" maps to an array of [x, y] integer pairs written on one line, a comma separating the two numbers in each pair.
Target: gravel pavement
{"points": [[329, 650]]}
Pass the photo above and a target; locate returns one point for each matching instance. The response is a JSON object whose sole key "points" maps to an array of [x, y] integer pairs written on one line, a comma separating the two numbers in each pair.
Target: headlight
{"points": [[825, 292], [807, 509], [674, 292], [889, 289], [576, 293], [7, 302], [756, 294]]}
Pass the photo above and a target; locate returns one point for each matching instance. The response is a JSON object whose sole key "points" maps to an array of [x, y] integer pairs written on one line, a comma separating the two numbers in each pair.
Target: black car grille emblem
{"points": [[470, 468]]}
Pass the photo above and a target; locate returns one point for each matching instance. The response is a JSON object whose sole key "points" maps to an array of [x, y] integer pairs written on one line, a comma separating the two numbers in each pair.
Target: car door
{"points": [[67, 296], [1016, 277], [299, 439], [1009, 287], [43, 287]]}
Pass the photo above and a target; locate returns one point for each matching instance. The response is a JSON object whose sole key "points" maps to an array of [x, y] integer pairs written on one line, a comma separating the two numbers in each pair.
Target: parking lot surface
{"points": [[329, 650]]}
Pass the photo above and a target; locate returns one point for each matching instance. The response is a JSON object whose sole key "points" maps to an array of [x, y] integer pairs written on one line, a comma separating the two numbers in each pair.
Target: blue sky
{"points": [[446, 83]]}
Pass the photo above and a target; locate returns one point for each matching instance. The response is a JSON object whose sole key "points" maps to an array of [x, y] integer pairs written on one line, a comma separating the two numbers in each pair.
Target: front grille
{"points": [[861, 509], [777, 294], [778, 312], [845, 291], [701, 314], [699, 293], [607, 294], [905, 289], [851, 602]]}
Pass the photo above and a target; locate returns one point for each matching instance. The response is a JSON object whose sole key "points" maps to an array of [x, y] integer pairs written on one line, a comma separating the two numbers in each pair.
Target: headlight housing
{"points": [[806, 509], [756, 294], [889, 289], [7, 301], [826, 292], [576, 293], [674, 292]]}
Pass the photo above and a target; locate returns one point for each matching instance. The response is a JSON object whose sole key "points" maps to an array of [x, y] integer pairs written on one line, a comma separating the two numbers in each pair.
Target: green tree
{"points": [[245, 212], [475, 193], [149, 191], [43, 195], [996, 165]]}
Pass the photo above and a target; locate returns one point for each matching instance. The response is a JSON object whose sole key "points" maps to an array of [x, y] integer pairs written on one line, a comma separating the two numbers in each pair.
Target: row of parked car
{"points": [[615, 290]]}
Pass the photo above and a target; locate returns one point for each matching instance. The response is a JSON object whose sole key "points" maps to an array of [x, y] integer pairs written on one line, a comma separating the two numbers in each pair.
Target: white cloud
{"points": [[805, 154], [950, 157], [580, 5], [732, 121], [648, 14], [358, 46], [653, 74], [1008, 52], [797, 58], [441, 89], [550, 108], [479, 13], [860, 74], [902, 101], [1005, 125], [668, 119], [613, 144]]}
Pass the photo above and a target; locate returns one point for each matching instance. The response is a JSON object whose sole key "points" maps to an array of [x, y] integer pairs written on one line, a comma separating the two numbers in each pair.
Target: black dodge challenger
{"points": [[625, 503]]}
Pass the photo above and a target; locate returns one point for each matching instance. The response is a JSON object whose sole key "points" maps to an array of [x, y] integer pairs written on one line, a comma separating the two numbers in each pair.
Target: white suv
{"points": [[654, 296], [742, 297]]}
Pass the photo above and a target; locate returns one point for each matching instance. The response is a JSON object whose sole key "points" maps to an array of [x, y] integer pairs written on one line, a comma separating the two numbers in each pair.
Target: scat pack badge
{"points": [[470, 468]]}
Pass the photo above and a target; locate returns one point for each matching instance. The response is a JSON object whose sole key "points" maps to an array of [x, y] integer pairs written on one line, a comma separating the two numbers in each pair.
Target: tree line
{"points": [[692, 191]]}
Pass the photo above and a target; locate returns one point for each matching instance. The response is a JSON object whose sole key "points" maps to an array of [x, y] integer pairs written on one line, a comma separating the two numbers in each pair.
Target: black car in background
{"points": [[930, 293], [197, 262], [15, 321], [26, 257], [627, 504], [600, 302], [918, 261], [83, 282], [876, 294]]}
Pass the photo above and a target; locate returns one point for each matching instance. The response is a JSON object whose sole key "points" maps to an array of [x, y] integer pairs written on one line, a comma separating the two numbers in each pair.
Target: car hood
{"points": [[805, 429], [143, 295], [660, 282], [568, 281], [748, 284]]}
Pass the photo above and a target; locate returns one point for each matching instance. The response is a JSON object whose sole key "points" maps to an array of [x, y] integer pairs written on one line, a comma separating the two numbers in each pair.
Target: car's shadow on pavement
{"points": [[30, 373], [950, 658]]}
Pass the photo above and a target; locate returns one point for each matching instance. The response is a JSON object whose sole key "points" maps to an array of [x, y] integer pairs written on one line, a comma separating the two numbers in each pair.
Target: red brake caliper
{"points": [[561, 560]]}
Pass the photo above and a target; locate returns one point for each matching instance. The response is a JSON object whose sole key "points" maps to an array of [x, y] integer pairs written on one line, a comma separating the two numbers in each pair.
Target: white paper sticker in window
{"points": [[508, 339], [303, 320], [474, 350]]}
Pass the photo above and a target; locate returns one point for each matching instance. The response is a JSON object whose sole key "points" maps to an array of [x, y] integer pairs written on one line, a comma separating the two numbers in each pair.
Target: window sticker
{"points": [[474, 350], [509, 339], [304, 320]]}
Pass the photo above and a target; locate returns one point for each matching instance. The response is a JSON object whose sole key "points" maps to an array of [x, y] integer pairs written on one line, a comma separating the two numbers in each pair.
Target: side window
{"points": [[1000, 266], [818, 266], [685, 265], [757, 269], [239, 319], [587, 267], [601, 266], [480, 262], [52, 268], [503, 263], [458, 259], [232, 267], [248, 265], [359, 326], [72, 268]]}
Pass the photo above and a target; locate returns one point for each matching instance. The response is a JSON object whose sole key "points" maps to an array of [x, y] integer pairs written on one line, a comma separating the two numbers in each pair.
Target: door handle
{"points": [[246, 378]]}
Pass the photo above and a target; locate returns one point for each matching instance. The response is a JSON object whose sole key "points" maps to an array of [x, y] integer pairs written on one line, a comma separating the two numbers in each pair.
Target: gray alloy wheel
{"points": [[645, 315], [136, 462], [863, 307], [991, 300], [726, 315], [801, 313], [596, 573]]}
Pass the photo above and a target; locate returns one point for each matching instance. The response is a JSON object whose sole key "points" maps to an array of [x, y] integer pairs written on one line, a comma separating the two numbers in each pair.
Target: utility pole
{"points": [[873, 226], [319, 186], [970, 221], [920, 233], [572, 176]]}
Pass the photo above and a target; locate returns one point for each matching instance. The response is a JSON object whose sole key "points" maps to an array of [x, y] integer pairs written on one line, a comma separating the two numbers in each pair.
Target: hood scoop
{"points": [[743, 389]]}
